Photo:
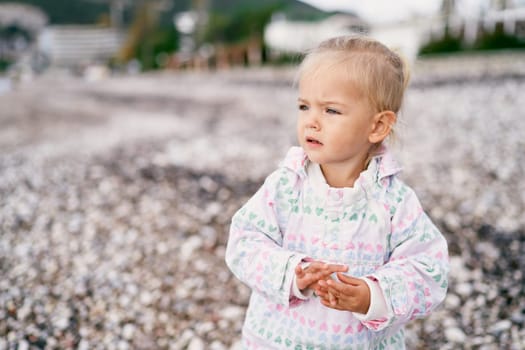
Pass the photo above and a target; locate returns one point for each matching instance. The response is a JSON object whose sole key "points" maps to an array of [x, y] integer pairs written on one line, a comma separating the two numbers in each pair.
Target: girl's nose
{"points": [[312, 120]]}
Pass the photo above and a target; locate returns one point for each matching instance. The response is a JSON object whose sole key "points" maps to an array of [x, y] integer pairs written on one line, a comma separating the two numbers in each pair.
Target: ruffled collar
{"points": [[383, 162], [381, 165]]}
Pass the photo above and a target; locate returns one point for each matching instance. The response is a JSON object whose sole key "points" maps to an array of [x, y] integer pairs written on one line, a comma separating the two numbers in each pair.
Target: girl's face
{"points": [[335, 119]]}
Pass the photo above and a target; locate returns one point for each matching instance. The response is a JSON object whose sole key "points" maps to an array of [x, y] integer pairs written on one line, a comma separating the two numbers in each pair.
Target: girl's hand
{"points": [[309, 276], [350, 294]]}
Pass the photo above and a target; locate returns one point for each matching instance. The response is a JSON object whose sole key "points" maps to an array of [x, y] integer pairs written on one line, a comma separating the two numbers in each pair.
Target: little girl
{"points": [[335, 247]]}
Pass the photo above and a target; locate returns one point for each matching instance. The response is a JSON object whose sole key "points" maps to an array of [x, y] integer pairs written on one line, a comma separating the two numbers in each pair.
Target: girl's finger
{"points": [[332, 298], [336, 268], [321, 292], [327, 303], [316, 266], [299, 272], [349, 279]]}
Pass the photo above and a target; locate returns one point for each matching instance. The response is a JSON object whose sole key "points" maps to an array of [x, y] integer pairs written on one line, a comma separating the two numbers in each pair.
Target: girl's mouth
{"points": [[312, 141]]}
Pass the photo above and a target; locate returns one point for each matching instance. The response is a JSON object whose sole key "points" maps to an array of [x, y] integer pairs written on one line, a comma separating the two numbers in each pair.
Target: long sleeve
{"points": [[255, 252], [415, 278]]}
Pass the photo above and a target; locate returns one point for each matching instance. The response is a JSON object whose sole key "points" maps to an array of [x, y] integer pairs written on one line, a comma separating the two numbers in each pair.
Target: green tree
{"points": [[498, 40], [148, 41], [243, 24], [446, 44]]}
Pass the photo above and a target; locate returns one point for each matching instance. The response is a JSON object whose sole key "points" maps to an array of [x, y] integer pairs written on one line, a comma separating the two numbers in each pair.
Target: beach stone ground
{"points": [[116, 198]]}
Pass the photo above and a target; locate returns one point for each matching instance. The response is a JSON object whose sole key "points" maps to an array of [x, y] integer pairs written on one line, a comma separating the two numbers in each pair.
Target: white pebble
{"points": [[232, 312], [204, 327], [189, 246], [464, 289], [146, 298], [83, 345], [500, 326], [196, 344], [128, 330], [62, 323], [455, 335], [452, 301], [23, 345], [217, 345], [123, 345]]}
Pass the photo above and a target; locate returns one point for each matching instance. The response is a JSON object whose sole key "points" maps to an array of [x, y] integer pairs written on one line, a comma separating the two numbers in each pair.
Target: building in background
{"points": [[287, 36], [405, 37], [80, 45], [28, 44], [293, 37]]}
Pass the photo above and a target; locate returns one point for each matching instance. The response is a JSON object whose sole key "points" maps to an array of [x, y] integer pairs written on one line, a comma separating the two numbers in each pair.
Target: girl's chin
{"points": [[313, 157]]}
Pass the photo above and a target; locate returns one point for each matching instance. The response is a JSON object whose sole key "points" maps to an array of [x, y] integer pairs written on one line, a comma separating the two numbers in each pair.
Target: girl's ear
{"points": [[382, 124]]}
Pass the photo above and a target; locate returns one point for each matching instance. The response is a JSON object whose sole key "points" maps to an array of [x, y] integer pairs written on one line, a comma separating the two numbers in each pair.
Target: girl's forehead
{"points": [[327, 61], [330, 80], [343, 68]]}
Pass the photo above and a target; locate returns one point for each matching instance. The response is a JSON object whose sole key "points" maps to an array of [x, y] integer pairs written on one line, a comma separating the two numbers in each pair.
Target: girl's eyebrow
{"points": [[324, 103], [333, 103]]}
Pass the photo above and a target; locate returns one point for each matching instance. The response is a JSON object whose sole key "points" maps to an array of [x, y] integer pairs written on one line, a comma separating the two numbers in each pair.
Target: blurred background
{"points": [[132, 130]]}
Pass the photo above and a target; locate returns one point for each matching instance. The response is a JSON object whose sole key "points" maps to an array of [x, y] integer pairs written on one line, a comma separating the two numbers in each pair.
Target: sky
{"points": [[381, 11]]}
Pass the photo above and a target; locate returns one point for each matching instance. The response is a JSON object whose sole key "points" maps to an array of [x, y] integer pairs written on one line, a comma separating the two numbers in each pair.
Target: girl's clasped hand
{"points": [[344, 292]]}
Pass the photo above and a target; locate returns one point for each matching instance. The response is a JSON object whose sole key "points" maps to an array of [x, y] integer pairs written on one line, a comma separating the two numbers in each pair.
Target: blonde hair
{"points": [[380, 73]]}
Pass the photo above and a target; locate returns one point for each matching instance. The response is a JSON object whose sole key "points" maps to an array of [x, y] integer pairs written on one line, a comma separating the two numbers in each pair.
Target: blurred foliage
{"points": [[4, 64], [498, 40], [148, 40], [95, 11], [293, 9], [445, 44], [153, 52], [12, 32], [287, 59], [9, 36], [241, 25], [230, 23], [493, 40]]}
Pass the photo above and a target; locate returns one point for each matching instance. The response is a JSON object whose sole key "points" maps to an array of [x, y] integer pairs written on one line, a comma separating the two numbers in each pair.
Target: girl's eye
{"points": [[332, 111], [303, 107]]}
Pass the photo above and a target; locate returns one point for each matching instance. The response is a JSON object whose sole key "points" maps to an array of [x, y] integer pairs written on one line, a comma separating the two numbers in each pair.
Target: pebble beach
{"points": [[116, 197]]}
